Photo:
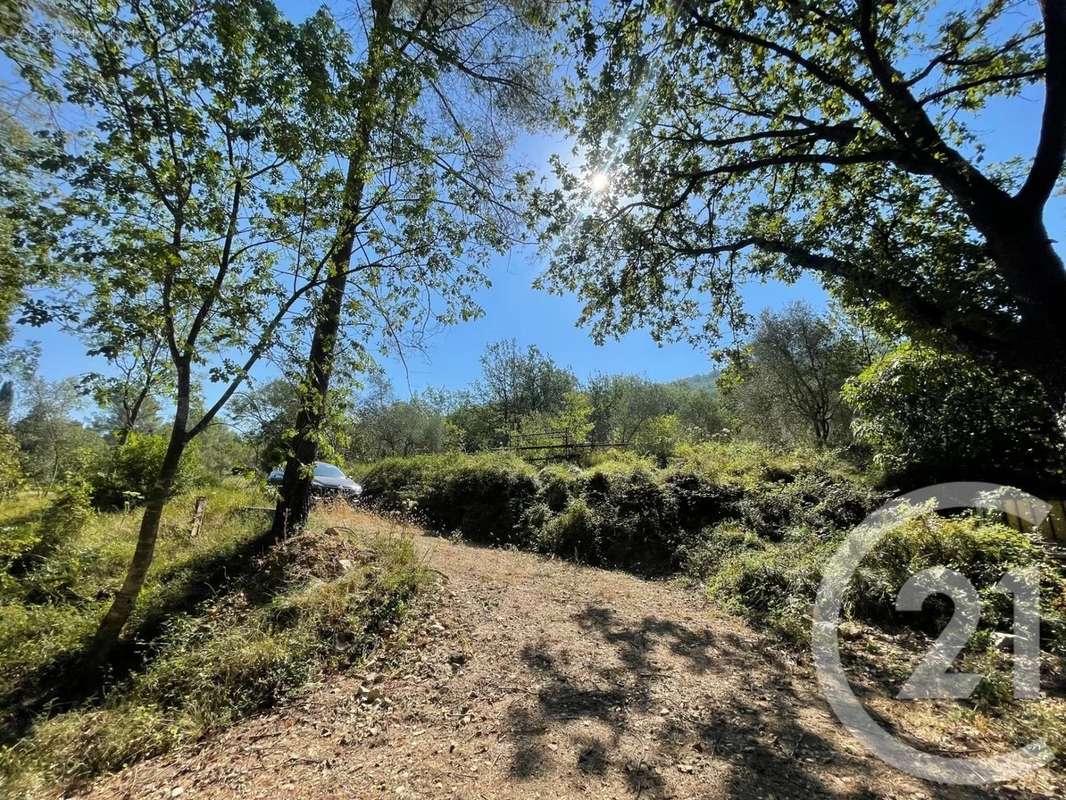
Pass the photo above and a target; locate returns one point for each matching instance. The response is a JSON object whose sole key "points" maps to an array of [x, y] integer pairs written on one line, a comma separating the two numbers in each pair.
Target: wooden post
{"points": [[198, 516]]}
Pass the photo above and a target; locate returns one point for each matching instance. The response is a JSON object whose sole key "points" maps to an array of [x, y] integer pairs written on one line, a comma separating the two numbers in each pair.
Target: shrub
{"points": [[743, 464], [659, 437], [778, 581], [61, 521], [807, 498], [129, 471], [770, 579], [558, 484], [980, 549], [11, 474], [68, 512], [636, 518], [572, 534], [705, 556], [631, 514], [933, 417], [484, 496], [613, 456]]}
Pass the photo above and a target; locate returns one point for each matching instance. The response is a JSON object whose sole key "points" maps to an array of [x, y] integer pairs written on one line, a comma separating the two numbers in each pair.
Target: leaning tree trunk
{"points": [[107, 634], [295, 497]]}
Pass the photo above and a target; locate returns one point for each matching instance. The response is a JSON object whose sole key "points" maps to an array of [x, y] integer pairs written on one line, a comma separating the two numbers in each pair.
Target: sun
{"points": [[599, 181]]}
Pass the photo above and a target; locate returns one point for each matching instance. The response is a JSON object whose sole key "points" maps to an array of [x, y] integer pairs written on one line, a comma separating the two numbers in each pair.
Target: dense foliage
{"points": [[624, 511], [126, 475], [931, 417], [738, 141]]}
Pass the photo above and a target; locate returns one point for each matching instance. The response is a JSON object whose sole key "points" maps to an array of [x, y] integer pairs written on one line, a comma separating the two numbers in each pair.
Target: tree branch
{"points": [[1051, 148]]}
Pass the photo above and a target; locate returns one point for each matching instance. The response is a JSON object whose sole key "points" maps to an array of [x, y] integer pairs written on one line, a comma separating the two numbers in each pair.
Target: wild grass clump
{"points": [[311, 603]]}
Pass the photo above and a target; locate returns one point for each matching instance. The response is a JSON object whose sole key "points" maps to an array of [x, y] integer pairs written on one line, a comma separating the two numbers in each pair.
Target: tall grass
{"points": [[223, 629]]}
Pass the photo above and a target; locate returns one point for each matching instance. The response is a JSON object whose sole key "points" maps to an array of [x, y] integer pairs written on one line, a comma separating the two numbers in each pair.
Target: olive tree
{"points": [[786, 383]]}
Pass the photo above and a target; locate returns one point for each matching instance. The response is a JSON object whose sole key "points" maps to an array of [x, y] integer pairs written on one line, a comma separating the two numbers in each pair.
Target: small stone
{"points": [[849, 631]]}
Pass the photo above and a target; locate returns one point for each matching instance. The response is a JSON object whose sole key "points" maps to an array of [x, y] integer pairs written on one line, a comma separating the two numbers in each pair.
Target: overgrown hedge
{"points": [[486, 497], [624, 513]]}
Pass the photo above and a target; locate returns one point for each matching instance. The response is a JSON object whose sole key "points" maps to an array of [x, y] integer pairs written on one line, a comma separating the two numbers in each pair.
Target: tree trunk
{"points": [[1024, 253], [295, 496], [107, 634]]}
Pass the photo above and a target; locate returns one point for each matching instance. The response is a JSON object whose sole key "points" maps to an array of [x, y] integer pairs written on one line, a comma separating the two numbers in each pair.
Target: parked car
{"points": [[328, 481]]}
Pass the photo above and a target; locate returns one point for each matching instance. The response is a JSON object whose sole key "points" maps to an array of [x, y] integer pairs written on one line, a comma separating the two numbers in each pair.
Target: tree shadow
{"points": [[612, 695], [61, 684], [754, 738]]}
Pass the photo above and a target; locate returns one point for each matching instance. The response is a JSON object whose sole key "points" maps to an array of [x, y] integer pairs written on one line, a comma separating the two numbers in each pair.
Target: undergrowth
{"points": [[312, 603], [751, 526]]}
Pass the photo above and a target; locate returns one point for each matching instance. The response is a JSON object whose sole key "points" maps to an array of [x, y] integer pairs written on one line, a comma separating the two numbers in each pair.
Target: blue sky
{"points": [[513, 309]]}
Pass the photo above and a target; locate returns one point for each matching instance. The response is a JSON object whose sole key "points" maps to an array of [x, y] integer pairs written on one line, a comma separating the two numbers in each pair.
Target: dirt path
{"points": [[541, 679]]}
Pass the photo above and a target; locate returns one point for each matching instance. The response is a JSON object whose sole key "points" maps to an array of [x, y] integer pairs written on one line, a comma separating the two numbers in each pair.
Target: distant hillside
{"points": [[706, 381]]}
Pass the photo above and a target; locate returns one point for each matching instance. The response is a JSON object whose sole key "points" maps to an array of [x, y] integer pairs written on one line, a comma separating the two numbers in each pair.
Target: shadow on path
{"points": [[751, 741]]}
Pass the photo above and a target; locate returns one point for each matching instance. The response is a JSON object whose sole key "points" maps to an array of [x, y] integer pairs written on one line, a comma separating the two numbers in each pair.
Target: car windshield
{"points": [[327, 471]]}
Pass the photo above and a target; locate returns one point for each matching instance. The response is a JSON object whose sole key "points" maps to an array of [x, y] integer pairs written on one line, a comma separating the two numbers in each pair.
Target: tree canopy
{"points": [[737, 140]]}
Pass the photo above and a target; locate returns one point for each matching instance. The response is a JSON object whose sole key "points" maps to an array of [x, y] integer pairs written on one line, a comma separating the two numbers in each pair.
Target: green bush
{"points": [[484, 496], [807, 498], [771, 579], [777, 581], [572, 534], [981, 549], [68, 512], [42, 576], [931, 417], [129, 471], [12, 476], [636, 518], [704, 557], [558, 483]]}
